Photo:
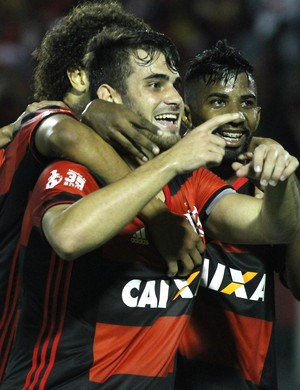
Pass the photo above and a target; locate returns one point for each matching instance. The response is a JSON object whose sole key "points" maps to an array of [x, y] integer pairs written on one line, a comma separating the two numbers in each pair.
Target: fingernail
{"points": [[263, 182], [272, 183], [155, 150], [282, 178], [144, 158], [257, 168]]}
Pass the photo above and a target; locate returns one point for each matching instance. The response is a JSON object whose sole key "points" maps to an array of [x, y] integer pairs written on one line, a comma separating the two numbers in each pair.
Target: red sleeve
{"points": [[61, 182], [2, 151]]}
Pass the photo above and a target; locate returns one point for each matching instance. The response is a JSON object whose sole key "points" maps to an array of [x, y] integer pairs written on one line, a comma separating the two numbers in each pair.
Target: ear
{"points": [[108, 93], [78, 79], [187, 117]]}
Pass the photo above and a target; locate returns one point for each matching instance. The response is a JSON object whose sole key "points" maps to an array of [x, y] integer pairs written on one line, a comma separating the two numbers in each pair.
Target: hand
{"points": [[256, 141], [201, 148], [121, 127], [177, 242], [269, 164]]}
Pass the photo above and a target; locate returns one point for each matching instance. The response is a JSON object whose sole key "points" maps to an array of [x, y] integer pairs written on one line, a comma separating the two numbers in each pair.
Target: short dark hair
{"points": [[108, 55], [220, 62], [64, 45]]}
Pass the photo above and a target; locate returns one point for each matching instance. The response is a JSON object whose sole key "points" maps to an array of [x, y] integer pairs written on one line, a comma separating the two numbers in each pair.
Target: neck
{"points": [[225, 172], [75, 102]]}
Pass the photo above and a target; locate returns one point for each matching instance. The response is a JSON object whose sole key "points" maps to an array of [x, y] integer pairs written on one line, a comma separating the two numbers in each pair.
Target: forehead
{"points": [[242, 84], [143, 65]]}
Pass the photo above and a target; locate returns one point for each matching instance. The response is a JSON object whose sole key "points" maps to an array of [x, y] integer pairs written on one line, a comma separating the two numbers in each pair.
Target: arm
{"points": [[272, 219], [292, 266], [64, 137], [118, 203], [7, 132]]}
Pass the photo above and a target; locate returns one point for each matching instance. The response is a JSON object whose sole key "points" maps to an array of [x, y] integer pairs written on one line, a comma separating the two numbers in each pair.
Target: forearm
{"points": [[292, 266], [281, 211], [89, 223], [72, 140]]}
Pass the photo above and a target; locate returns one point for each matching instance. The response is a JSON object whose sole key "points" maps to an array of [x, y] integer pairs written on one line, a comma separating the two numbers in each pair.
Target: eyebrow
{"points": [[224, 95], [161, 76]]}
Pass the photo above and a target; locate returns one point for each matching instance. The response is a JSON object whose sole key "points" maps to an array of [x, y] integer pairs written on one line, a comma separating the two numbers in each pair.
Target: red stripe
{"points": [[44, 324], [59, 332], [51, 327], [9, 316], [9, 289], [9, 341], [120, 349], [230, 339], [239, 182]]}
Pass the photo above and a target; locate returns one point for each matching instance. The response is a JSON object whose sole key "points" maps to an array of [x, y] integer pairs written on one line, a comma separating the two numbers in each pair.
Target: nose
{"points": [[233, 108], [172, 96]]}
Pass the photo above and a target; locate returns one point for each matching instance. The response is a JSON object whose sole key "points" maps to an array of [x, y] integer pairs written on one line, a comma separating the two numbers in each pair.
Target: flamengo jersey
{"points": [[110, 319], [18, 174], [229, 343]]}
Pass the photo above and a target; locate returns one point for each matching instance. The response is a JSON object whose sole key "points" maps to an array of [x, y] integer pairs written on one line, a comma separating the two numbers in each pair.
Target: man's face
{"points": [[152, 92], [237, 95]]}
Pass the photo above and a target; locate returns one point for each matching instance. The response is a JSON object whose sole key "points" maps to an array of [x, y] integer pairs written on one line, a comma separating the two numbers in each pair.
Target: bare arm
{"points": [[118, 203], [292, 266], [273, 219], [6, 132]]}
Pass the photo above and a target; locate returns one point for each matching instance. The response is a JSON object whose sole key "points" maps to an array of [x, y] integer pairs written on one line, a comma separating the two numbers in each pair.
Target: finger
{"points": [[196, 257], [241, 170], [126, 145], [141, 141], [291, 165], [172, 266], [279, 168], [219, 120], [146, 125], [186, 265]]}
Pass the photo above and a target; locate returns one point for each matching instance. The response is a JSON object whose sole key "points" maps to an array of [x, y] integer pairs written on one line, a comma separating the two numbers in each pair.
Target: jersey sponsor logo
{"points": [[54, 179], [238, 284], [156, 293], [71, 179], [140, 237]]}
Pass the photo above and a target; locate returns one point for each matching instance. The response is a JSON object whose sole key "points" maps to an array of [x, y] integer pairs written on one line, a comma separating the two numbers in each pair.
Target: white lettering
{"points": [[259, 293], [127, 297], [148, 296]]}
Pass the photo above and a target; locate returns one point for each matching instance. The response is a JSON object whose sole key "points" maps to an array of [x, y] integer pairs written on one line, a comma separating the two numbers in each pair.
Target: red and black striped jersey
{"points": [[19, 172], [110, 319], [229, 342]]}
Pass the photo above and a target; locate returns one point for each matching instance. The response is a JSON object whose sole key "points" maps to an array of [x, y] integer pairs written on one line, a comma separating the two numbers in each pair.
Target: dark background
{"points": [[267, 32]]}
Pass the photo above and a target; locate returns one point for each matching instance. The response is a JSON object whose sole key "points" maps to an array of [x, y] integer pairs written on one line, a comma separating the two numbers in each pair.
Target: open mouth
{"points": [[169, 121], [232, 138]]}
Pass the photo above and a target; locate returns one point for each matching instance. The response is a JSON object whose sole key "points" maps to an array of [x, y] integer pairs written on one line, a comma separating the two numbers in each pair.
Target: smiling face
{"points": [[153, 93], [238, 94]]}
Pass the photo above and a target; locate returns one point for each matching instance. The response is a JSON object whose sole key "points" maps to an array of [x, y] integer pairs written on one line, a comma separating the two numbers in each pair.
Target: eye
{"points": [[249, 103], [217, 102], [155, 85]]}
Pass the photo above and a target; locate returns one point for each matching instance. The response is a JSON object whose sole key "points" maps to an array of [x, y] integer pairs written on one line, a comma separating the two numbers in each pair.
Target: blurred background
{"points": [[267, 32]]}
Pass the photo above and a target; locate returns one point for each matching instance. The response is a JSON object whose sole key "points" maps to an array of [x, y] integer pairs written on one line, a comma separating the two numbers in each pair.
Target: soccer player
{"points": [[56, 131], [230, 341]]}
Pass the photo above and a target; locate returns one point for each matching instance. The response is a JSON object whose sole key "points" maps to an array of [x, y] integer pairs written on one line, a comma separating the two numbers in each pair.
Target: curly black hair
{"points": [[220, 62], [64, 45], [108, 55]]}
